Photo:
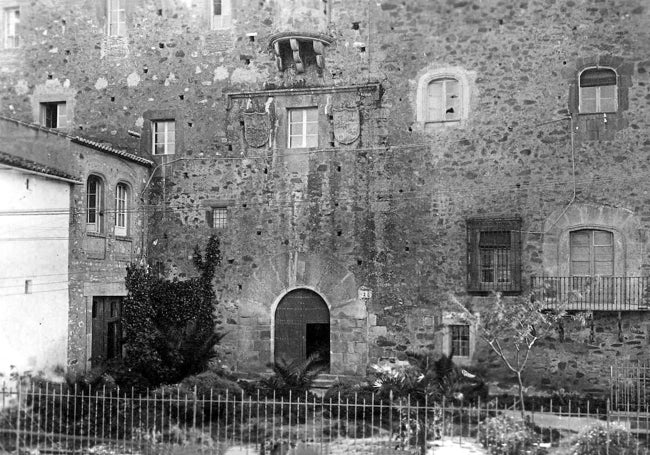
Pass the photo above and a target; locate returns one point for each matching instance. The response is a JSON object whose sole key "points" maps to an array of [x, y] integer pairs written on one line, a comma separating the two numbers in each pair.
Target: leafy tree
{"points": [[511, 329], [169, 327]]}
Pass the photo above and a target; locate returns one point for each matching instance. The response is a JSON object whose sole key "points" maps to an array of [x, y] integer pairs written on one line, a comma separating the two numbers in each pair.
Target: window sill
{"points": [[124, 238], [96, 234]]}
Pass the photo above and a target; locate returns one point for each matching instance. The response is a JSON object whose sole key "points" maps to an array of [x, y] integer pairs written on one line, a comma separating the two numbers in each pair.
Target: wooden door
{"points": [[106, 329], [301, 326]]}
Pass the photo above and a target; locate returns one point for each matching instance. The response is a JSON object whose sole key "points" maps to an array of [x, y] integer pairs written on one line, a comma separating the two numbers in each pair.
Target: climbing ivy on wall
{"points": [[168, 325]]}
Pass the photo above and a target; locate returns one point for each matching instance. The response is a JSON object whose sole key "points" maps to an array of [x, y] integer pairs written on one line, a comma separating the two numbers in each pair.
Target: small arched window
{"points": [[443, 98], [94, 204], [121, 209], [598, 91], [443, 102]]}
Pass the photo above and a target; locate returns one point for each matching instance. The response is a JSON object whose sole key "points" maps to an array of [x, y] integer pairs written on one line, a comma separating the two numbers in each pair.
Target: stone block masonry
{"points": [[382, 198]]}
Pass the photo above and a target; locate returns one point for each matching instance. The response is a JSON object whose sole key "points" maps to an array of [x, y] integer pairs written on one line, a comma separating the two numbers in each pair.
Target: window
{"points": [[459, 340], [106, 329], [121, 209], [592, 253], [494, 255], [54, 115], [443, 97], [221, 14], [164, 137], [116, 17], [303, 127], [94, 204], [598, 91], [443, 100], [11, 20], [217, 217]]}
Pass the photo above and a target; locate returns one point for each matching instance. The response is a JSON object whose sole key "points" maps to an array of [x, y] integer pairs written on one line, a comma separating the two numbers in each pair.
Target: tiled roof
{"points": [[29, 165], [83, 141]]}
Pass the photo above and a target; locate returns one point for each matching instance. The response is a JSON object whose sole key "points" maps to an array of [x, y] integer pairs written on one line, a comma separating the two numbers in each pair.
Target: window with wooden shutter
{"points": [[598, 91], [494, 255]]}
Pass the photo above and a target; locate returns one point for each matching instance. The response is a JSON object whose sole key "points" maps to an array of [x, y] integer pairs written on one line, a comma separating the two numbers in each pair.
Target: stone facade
{"points": [[384, 197]]}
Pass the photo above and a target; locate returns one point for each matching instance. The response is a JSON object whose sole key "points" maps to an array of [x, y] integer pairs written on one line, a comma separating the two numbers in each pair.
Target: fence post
{"points": [[18, 417], [607, 419]]}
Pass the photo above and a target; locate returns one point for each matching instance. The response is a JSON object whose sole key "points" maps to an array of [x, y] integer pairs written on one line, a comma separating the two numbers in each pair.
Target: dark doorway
{"points": [[302, 327]]}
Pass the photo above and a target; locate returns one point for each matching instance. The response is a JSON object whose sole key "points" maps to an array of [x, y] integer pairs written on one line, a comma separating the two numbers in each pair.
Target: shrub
{"points": [[209, 384], [503, 435], [342, 391], [295, 377], [600, 440]]}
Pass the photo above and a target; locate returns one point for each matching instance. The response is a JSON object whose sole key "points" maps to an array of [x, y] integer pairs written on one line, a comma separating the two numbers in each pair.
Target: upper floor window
{"points": [[303, 127], [221, 14], [443, 100], [598, 91], [116, 17], [94, 204], [163, 137], [443, 97], [591, 252], [54, 115], [494, 255], [11, 19], [121, 209]]}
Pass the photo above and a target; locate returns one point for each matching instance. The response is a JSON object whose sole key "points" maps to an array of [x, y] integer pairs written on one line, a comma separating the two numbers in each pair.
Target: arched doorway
{"points": [[302, 327]]}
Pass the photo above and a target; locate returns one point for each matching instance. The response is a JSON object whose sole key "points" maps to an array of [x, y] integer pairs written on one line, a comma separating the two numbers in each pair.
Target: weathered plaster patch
{"points": [[171, 78], [245, 76], [139, 122], [21, 87], [133, 79], [220, 73], [101, 83]]}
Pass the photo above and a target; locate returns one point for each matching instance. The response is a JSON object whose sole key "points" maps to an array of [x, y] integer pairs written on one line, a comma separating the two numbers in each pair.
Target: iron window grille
{"points": [[494, 255]]}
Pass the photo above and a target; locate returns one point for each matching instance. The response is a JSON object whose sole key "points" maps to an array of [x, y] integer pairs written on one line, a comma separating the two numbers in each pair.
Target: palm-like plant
{"points": [[296, 377]]}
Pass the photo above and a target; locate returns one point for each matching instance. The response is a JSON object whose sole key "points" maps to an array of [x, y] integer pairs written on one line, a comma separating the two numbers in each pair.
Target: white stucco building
{"points": [[34, 240]]}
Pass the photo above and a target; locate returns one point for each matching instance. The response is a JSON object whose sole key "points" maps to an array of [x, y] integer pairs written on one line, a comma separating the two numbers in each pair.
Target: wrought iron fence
{"points": [[630, 388], [585, 293], [59, 419]]}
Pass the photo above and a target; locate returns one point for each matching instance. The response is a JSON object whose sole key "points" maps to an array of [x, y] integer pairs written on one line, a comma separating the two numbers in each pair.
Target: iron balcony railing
{"points": [[599, 293]]}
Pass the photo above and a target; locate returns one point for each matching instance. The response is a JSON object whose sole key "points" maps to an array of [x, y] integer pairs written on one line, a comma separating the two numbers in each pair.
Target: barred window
{"points": [[217, 217], [494, 255]]}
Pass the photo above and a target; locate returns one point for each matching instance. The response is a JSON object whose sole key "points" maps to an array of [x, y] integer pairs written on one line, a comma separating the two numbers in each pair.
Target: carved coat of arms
{"points": [[347, 124], [256, 128]]}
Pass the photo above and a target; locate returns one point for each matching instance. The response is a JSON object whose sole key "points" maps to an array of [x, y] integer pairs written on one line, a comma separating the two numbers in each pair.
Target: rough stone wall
{"points": [[391, 207]]}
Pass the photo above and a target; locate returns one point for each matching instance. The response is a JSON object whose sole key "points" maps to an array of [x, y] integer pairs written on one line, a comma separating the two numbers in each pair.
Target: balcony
{"points": [[585, 293]]}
